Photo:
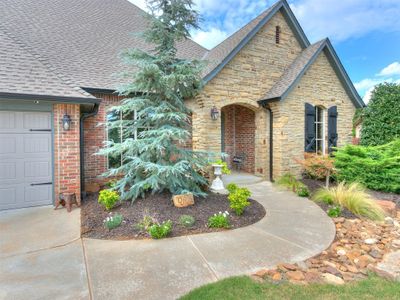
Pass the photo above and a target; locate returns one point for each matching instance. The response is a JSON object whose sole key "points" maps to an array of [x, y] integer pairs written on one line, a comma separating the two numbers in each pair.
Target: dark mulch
{"points": [[161, 208], [313, 185]]}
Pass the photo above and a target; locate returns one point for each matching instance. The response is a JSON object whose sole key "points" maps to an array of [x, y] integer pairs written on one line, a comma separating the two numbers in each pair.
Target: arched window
{"points": [[277, 34]]}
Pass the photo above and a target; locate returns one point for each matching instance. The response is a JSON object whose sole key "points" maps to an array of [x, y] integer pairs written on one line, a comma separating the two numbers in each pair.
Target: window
{"points": [[319, 130], [277, 34], [118, 135]]}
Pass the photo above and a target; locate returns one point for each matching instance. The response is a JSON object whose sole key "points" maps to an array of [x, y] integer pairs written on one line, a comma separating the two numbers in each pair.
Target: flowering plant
{"points": [[112, 222], [220, 220]]}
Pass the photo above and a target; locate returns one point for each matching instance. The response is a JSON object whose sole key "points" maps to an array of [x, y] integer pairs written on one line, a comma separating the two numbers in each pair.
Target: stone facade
{"points": [[66, 151]]}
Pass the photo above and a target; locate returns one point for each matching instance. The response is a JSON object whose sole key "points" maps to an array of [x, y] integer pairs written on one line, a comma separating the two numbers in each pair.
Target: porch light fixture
{"points": [[214, 113], [66, 122]]}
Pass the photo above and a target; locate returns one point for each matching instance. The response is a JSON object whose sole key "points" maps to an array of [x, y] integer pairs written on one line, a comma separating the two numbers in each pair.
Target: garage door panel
{"points": [[25, 159]]}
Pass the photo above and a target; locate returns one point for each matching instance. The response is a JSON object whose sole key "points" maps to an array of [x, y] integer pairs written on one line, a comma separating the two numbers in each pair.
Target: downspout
{"points": [[84, 116], [271, 143]]}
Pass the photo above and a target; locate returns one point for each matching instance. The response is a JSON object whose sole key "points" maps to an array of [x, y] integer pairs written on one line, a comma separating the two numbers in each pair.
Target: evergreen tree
{"points": [[152, 142]]}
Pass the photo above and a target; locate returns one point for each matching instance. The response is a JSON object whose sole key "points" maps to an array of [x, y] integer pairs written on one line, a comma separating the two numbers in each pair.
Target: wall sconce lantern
{"points": [[66, 122], [214, 113]]}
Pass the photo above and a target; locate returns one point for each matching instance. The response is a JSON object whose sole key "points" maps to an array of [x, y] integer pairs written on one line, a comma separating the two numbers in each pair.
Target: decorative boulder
{"points": [[183, 200]]}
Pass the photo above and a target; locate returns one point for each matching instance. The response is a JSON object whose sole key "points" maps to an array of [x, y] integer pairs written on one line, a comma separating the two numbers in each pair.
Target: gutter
{"points": [[47, 98], [83, 117]]}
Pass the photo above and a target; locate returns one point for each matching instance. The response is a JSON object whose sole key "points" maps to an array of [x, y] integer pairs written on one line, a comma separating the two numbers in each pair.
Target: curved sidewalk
{"points": [[294, 229]]}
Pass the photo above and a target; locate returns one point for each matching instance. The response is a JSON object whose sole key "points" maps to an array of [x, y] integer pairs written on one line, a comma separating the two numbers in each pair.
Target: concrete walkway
{"points": [[294, 229]]}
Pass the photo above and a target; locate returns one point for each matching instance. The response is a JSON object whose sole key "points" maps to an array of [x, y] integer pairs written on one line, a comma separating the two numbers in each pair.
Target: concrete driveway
{"points": [[44, 257]]}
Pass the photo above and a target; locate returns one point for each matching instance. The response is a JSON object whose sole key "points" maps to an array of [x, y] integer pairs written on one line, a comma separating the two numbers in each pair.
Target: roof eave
{"points": [[48, 98]]}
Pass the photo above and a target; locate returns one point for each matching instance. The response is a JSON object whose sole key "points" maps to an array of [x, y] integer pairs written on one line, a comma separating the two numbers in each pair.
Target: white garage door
{"points": [[25, 159]]}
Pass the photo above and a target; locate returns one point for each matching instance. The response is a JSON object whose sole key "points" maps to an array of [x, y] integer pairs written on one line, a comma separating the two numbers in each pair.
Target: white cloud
{"points": [[392, 69], [341, 20], [209, 38]]}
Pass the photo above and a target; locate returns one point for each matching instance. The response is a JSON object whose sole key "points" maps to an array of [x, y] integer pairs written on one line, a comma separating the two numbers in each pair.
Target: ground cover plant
{"points": [[376, 167], [112, 222], [245, 288], [219, 220], [354, 198], [159, 231], [187, 221]]}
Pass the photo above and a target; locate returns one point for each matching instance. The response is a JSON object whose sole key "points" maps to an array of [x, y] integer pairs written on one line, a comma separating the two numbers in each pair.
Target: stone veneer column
{"points": [[66, 151]]}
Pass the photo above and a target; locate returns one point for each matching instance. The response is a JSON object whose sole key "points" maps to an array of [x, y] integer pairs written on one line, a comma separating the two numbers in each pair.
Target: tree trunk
{"points": [[327, 179]]}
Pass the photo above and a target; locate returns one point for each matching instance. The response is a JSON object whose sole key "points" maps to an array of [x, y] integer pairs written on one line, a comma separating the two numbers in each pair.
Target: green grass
{"points": [[245, 288]]}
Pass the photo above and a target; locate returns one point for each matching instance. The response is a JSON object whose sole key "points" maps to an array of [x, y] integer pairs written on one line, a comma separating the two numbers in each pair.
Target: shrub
{"points": [[108, 199], [231, 187], [220, 220], [288, 181], [318, 166], [238, 199], [354, 198], [303, 191], [159, 231], [334, 212], [112, 222], [186, 220], [225, 169], [381, 118], [376, 167]]}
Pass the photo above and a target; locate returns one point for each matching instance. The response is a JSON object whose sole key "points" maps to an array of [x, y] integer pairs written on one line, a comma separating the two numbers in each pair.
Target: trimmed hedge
{"points": [[376, 167]]}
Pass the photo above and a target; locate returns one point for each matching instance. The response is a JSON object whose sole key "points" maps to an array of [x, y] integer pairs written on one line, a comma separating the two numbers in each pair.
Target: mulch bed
{"points": [[161, 208]]}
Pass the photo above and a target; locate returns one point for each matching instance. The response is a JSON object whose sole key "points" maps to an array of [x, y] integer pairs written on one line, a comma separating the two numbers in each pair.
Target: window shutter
{"points": [[309, 143], [332, 128]]}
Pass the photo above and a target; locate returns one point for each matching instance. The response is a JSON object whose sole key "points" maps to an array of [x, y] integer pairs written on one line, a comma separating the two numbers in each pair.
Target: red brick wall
{"points": [[239, 134], [94, 135], [66, 151]]}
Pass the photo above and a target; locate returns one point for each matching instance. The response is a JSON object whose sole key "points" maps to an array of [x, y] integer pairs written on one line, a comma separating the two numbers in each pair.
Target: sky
{"points": [[365, 33]]}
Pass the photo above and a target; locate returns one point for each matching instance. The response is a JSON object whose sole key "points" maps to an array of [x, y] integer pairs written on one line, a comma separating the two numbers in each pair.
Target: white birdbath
{"points": [[217, 185]]}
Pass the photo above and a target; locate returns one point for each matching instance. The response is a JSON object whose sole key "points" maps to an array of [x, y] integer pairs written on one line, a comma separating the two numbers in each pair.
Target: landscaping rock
{"points": [[277, 276], [390, 266], [370, 241], [295, 275], [332, 279], [183, 200], [388, 206], [262, 273]]}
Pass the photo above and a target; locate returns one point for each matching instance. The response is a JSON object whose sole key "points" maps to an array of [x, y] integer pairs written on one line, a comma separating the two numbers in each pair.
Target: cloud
{"points": [[392, 69], [209, 38], [390, 74], [341, 20]]}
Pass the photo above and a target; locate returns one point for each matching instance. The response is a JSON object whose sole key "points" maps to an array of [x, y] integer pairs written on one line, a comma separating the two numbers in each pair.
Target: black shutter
{"points": [[332, 128], [309, 143]]}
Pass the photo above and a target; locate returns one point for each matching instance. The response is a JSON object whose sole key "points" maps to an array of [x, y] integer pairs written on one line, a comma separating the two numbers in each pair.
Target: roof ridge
{"points": [[45, 63]]}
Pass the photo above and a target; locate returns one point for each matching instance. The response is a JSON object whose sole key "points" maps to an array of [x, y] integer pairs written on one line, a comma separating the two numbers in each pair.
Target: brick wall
{"points": [[95, 134], [239, 134], [66, 151]]}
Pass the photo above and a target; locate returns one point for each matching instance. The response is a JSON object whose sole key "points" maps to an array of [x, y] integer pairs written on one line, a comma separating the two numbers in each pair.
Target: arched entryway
{"points": [[238, 135]]}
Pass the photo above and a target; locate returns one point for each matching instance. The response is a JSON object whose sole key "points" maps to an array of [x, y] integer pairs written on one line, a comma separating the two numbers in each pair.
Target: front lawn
{"points": [[246, 288]]}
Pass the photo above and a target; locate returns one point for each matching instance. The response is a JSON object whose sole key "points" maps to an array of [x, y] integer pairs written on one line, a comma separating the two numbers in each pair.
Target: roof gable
{"points": [[223, 53], [301, 64]]}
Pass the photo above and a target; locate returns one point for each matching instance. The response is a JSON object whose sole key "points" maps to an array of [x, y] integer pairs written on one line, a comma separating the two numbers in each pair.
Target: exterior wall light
{"points": [[66, 122], [214, 113]]}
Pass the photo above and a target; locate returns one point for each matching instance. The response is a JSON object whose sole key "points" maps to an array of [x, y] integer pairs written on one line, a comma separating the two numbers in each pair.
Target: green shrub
{"points": [[112, 222], [231, 187], [381, 118], [238, 199], [159, 231], [186, 220], [375, 167], [220, 220], [334, 212], [108, 198], [354, 198], [303, 191]]}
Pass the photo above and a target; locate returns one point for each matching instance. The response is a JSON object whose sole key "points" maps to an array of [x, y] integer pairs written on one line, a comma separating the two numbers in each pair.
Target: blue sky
{"points": [[365, 33]]}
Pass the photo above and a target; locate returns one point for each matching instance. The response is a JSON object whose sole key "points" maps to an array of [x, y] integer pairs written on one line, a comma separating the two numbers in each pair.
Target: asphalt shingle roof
{"points": [[23, 72]]}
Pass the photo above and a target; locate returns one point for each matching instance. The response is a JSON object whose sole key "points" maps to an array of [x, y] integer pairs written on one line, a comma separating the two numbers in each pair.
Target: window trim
{"points": [[319, 110]]}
